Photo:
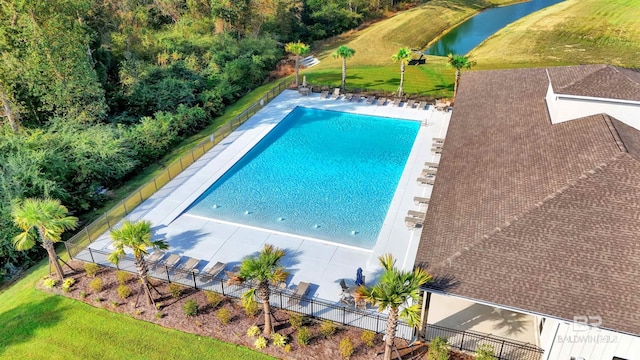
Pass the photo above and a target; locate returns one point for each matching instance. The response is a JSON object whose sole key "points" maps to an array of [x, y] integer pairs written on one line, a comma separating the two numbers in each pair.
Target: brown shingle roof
{"points": [[604, 81], [513, 219]]}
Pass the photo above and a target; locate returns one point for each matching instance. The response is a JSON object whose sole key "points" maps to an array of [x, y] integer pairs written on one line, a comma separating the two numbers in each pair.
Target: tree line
{"points": [[91, 91]]}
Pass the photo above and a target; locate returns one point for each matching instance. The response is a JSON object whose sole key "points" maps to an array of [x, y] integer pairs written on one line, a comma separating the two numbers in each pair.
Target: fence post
{"points": [[68, 252], [195, 284], [501, 348], [140, 193], [166, 268], [91, 254], [222, 285], [124, 205], [377, 324], [88, 235], [462, 339], [344, 315]]}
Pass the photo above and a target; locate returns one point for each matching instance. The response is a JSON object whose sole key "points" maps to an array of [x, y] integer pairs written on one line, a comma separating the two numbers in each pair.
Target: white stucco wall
{"points": [[565, 341]]}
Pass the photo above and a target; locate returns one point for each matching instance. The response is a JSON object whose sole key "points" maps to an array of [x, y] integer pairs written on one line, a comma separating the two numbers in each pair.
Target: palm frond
{"points": [[411, 314], [24, 241]]}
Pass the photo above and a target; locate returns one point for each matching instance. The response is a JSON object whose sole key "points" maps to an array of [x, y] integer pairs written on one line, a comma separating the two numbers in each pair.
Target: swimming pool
{"points": [[322, 174]]}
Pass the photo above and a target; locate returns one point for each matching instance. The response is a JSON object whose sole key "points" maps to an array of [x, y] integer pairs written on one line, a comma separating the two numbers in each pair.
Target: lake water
{"points": [[472, 32]]}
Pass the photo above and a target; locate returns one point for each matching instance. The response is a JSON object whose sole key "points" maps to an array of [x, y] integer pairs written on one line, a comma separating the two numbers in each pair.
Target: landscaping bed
{"points": [[213, 310]]}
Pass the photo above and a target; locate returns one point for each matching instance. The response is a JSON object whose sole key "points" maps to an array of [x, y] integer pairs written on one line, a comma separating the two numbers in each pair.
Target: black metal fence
{"points": [[280, 298], [503, 349]]}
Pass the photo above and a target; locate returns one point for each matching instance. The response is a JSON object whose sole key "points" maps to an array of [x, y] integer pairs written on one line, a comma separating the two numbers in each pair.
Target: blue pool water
{"points": [[322, 174]]}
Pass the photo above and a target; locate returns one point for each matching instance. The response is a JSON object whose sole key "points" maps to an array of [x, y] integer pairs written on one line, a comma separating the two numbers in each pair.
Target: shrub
{"points": [[279, 340], [346, 348], [67, 284], [251, 308], [296, 320], [367, 338], [98, 299], [287, 348], [175, 290], [123, 291], [123, 277], [91, 269], [224, 315], [115, 304], [190, 308], [327, 328], [213, 298], [159, 315], [304, 336], [159, 305], [485, 352], [83, 295], [253, 331], [96, 284], [49, 283], [438, 349], [260, 343]]}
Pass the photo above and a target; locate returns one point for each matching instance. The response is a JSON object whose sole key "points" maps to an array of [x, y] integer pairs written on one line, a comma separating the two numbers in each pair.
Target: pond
{"points": [[469, 34]]}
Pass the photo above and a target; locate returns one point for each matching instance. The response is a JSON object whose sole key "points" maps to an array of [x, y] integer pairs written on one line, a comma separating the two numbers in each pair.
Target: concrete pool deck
{"points": [[325, 263], [322, 264]]}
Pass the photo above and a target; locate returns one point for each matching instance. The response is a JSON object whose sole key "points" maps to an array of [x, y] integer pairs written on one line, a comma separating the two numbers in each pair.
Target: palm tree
{"points": [[403, 55], [394, 290], [264, 269], [344, 53], [459, 62], [44, 219], [298, 49], [137, 237]]}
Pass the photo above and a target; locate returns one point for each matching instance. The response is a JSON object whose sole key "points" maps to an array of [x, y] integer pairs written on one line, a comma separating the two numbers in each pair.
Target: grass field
{"points": [[568, 33], [371, 67], [36, 325]]}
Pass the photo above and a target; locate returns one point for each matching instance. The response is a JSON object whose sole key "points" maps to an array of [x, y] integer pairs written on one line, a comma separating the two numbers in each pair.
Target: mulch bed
{"points": [[206, 323]]}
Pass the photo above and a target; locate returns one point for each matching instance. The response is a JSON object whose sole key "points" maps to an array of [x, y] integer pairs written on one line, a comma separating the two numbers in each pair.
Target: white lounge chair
{"points": [[438, 140], [413, 222], [433, 165], [426, 181], [371, 99], [212, 270], [188, 266], [416, 214], [381, 101], [299, 293], [324, 94], [421, 200], [336, 93], [429, 172]]}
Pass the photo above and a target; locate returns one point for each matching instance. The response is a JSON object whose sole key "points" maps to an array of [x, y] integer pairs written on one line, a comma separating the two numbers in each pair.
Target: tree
{"points": [[265, 269], [403, 55], [137, 237], [459, 62], [298, 49], [345, 53], [393, 291], [44, 219]]}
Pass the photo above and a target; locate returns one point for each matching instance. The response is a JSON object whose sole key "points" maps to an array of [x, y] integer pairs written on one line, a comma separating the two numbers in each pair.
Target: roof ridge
{"points": [[597, 67], [448, 262], [614, 133], [618, 68]]}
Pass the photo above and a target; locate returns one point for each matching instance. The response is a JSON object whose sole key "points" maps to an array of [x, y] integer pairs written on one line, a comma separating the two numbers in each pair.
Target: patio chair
{"points": [[421, 200], [437, 149], [324, 94], [416, 214], [438, 140], [426, 181], [188, 267], [299, 293], [213, 270], [429, 172], [412, 222], [155, 256], [433, 165], [381, 101], [356, 98], [371, 99], [169, 262], [422, 105], [336, 93], [348, 97], [410, 104], [396, 102], [344, 286]]}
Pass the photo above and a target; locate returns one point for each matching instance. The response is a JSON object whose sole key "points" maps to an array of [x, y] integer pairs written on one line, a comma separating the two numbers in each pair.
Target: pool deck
{"points": [[320, 263]]}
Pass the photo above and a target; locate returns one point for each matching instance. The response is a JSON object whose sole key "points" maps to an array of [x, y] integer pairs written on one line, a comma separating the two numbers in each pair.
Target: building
{"points": [[536, 205]]}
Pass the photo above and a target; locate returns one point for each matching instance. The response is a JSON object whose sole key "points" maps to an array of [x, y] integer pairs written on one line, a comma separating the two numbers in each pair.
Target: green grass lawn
{"points": [[37, 325], [569, 33], [372, 68]]}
